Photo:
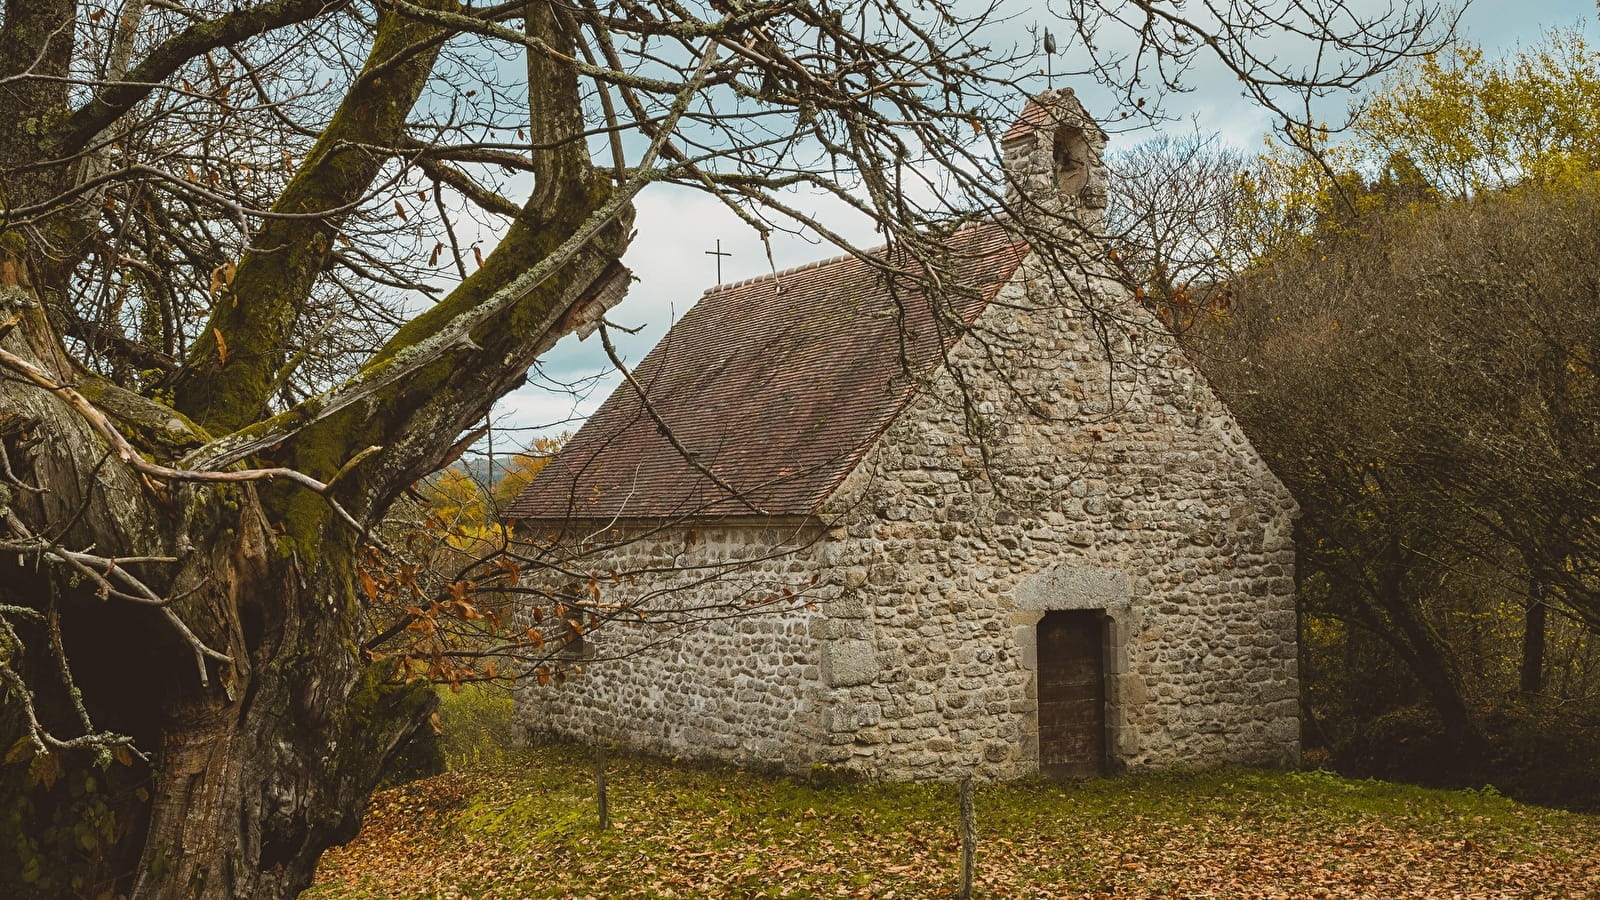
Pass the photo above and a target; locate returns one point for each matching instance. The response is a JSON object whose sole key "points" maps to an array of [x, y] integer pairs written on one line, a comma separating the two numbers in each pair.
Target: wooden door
{"points": [[1072, 708]]}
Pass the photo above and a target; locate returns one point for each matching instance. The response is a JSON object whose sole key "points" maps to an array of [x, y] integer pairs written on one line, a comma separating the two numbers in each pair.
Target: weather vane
{"points": [[1049, 51], [719, 255]]}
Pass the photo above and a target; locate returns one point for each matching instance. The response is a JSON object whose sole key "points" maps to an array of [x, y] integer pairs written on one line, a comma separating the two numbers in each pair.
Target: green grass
{"points": [[525, 827]]}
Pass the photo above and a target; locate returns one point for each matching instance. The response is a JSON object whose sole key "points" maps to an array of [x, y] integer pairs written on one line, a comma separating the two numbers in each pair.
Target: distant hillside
{"points": [[478, 465]]}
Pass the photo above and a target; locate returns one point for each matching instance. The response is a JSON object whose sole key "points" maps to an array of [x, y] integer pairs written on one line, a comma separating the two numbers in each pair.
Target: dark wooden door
{"points": [[1072, 708]]}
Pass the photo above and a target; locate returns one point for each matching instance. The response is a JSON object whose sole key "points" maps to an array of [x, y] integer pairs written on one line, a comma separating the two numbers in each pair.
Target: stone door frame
{"points": [[1068, 587]]}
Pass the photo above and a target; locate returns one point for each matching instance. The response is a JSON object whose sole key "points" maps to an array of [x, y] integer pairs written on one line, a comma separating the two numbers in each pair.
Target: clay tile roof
{"points": [[776, 386], [1034, 115]]}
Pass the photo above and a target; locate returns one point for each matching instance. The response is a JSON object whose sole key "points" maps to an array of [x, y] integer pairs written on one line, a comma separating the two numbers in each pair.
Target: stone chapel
{"points": [[830, 521]]}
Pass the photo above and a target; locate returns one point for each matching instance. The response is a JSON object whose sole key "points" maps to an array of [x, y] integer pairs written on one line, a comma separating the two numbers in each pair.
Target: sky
{"points": [[676, 227]]}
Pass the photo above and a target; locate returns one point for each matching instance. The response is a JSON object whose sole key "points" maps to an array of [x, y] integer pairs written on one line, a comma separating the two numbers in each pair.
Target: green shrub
{"points": [[419, 757], [474, 729], [1407, 744], [1546, 753]]}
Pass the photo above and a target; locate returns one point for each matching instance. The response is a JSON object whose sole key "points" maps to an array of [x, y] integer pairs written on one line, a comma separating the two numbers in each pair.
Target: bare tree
{"points": [[242, 308], [1173, 221], [1284, 54]]}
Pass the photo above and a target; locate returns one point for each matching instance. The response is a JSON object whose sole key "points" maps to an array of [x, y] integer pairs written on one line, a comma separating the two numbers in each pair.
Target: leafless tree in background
{"points": [[1173, 222]]}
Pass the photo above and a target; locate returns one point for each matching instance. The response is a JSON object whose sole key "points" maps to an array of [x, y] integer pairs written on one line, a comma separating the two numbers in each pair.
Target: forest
{"points": [[1407, 334]]}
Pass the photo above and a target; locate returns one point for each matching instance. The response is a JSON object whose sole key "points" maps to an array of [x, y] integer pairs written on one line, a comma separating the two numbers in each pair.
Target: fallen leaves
{"points": [[683, 831]]}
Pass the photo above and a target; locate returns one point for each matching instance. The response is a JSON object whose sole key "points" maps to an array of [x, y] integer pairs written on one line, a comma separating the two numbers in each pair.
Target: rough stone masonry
{"points": [[1064, 470]]}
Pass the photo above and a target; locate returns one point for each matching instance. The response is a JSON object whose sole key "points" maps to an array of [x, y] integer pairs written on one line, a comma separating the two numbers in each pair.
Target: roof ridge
{"points": [[967, 225], [792, 270]]}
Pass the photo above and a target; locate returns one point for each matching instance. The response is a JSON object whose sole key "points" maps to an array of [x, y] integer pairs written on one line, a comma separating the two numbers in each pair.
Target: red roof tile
{"points": [[1033, 116], [776, 386]]}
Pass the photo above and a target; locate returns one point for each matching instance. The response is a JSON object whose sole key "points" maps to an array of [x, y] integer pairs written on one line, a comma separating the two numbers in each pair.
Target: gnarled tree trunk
{"points": [[215, 622], [260, 761]]}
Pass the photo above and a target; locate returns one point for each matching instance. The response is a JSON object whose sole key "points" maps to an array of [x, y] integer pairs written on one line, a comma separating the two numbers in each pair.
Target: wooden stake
{"points": [[601, 802], [969, 837]]}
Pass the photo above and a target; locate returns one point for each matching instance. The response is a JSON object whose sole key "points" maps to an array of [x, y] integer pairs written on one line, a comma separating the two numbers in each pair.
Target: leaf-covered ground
{"points": [[528, 829]]}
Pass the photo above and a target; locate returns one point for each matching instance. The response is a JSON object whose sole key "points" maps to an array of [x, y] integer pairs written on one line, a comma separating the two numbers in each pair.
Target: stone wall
{"points": [[711, 654], [1066, 483], [1069, 483]]}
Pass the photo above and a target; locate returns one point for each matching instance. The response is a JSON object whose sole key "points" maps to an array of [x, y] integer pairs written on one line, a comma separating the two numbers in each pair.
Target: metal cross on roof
{"points": [[719, 255]]}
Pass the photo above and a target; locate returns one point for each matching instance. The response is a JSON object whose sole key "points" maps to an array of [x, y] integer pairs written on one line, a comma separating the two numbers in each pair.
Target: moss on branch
{"points": [[149, 425], [226, 380]]}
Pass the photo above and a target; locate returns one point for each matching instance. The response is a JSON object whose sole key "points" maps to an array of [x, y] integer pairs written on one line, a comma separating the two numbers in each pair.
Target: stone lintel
{"points": [[1075, 587]]}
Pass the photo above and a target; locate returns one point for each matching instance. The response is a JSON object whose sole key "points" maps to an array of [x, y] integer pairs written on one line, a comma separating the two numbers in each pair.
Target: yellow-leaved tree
{"points": [[515, 475], [1451, 125], [1469, 123]]}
